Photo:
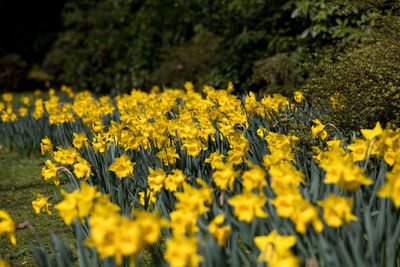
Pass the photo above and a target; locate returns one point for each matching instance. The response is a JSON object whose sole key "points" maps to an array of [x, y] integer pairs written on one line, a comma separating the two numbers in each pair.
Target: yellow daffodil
{"points": [[215, 158], [168, 155], [150, 198], [248, 206], [298, 96], [392, 187], [7, 97], [286, 203], [41, 204], [66, 156], [174, 180], [150, 225], [221, 233], [51, 171], [360, 149], [122, 166], [82, 169], [305, 213], [23, 111], [193, 147], [183, 221], [80, 139], [275, 249], [156, 179], [194, 199], [370, 134], [7, 226], [46, 146], [39, 110], [284, 176], [182, 252], [224, 176], [82, 203], [337, 210], [254, 178], [341, 170]]}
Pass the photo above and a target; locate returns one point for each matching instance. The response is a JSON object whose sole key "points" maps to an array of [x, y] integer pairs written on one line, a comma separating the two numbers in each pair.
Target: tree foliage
{"points": [[117, 45]]}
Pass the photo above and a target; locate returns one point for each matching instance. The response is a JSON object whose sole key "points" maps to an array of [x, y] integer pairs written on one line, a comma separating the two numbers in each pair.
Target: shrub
{"points": [[190, 61], [12, 71], [362, 84], [280, 73]]}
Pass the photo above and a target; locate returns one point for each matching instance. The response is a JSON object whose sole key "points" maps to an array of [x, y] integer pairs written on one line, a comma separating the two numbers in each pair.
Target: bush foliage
{"points": [[361, 85], [117, 45], [124, 44]]}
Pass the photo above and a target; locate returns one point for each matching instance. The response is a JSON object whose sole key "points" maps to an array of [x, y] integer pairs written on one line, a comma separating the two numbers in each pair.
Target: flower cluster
{"points": [[275, 249], [257, 180]]}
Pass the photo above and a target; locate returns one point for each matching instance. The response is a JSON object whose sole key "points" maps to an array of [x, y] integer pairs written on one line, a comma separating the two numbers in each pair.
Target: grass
{"points": [[20, 180]]}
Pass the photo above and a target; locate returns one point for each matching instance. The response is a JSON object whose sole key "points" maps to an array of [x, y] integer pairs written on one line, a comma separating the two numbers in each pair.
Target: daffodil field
{"points": [[207, 178]]}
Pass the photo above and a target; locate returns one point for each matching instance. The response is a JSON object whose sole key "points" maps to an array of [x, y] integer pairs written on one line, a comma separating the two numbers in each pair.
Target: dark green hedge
{"points": [[361, 85]]}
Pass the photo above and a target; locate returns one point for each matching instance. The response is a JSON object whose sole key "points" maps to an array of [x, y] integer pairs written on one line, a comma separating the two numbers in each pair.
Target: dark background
{"points": [[29, 28]]}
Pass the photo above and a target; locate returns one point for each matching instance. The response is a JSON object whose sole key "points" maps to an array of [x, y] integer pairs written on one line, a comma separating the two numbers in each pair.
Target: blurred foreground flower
{"points": [[182, 252], [337, 210], [275, 249], [221, 233], [7, 226], [392, 187], [3, 263]]}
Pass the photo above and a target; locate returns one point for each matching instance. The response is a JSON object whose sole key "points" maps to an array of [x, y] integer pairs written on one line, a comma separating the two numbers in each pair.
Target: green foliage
{"points": [[328, 20], [117, 45], [12, 70], [280, 73], [111, 44], [361, 85], [123, 44], [250, 30], [190, 61]]}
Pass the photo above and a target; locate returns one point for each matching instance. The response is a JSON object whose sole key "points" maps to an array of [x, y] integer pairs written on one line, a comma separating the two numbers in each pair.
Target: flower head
{"points": [[392, 187], [82, 169], [51, 171], [248, 206], [182, 252], [337, 210], [66, 156], [80, 139], [319, 129], [174, 180], [156, 179], [7, 226], [41, 204], [275, 249], [299, 96], [224, 176], [122, 166], [46, 146]]}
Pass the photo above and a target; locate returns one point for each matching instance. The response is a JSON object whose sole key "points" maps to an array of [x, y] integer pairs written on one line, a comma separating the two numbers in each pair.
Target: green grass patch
{"points": [[20, 180]]}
